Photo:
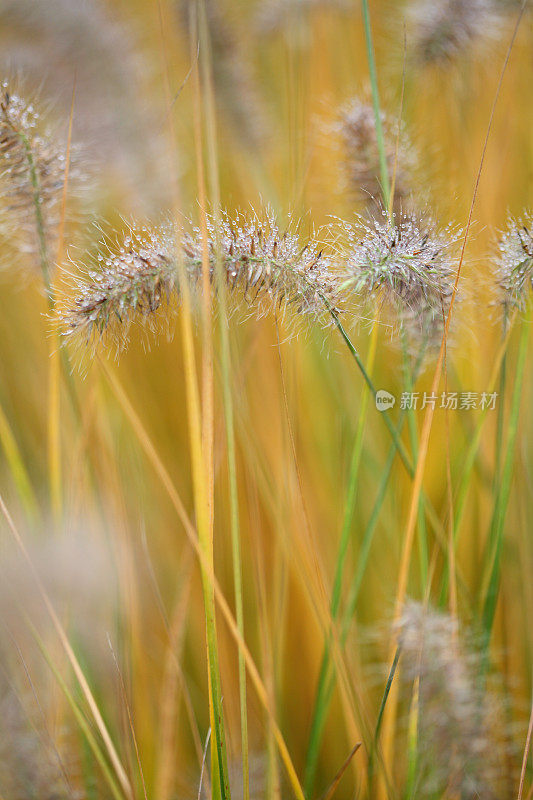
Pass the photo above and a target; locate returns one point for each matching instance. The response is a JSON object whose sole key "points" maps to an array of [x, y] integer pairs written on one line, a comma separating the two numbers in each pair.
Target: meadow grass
{"points": [[307, 592]]}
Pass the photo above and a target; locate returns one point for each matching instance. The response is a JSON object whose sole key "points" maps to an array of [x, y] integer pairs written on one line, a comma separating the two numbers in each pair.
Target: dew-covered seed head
{"points": [[410, 262], [138, 278], [513, 262]]}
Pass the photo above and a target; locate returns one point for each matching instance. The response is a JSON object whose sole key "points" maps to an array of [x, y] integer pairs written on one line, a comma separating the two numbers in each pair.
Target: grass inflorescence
{"points": [[409, 262], [32, 173], [514, 263], [265, 266]]}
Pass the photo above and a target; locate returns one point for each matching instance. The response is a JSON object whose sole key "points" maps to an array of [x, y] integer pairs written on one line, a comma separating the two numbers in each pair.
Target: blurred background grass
{"points": [[278, 95]]}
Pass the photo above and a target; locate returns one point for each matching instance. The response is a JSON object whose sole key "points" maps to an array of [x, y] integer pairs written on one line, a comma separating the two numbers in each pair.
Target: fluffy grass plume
{"points": [[267, 267], [273, 16], [407, 261], [361, 155], [443, 31], [514, 262], [59, 45], [32, 173], [462, 745]]}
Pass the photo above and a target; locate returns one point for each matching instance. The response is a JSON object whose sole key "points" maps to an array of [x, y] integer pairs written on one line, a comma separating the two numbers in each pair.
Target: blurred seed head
{"points": [[32, 174], [235, 91], [442, 31], [264, 268], [513, 263], [462, 742], [273, 16], [75, 569], [361, 155], [31, 764], [411, 262], [59, 45]]}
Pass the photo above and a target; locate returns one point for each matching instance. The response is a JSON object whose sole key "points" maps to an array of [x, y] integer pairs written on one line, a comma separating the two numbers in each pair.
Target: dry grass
{"points": [[234, 464]]}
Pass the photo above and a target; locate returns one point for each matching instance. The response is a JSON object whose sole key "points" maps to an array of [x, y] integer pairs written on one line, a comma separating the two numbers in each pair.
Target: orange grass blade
{"points": [[428, 418], [166, 480], [113, 755]]}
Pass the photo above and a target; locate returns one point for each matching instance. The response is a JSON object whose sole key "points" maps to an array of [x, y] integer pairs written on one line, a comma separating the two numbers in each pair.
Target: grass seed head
{"points": [[125, 282], [361, 154], [32, 174], [459, 718], [513, 263], [411, 262], [90, 47], [443, 31], [274, 16], [271, 267], [263, 267]]}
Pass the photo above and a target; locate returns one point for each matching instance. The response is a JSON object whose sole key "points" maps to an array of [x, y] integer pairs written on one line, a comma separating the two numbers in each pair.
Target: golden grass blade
{"points": [[337, 779], [127, 705], [428, 418], [166, 480], [525, 756], [54, 397], [17, 466], [113, 755]]}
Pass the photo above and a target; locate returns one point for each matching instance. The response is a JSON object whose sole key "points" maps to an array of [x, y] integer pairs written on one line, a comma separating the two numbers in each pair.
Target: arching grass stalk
{"points": [[226, 389], [325, 684], [495, 540], [413, 435], [400, 447], [319, 714], [376, 104], [470, 459], [17, 467]]}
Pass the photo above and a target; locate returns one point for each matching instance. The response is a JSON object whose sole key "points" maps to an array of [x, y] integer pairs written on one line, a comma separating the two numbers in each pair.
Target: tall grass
{"points": [[309, 590]]}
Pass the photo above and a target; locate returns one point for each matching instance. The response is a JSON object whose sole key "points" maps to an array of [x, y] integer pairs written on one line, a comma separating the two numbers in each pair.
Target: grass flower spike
{"points": [[411, 261], [459, 752], [514, 263], [127, 281], [445, 30], [32, 170], [265, 269], [273, 16], [361, 155]]}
